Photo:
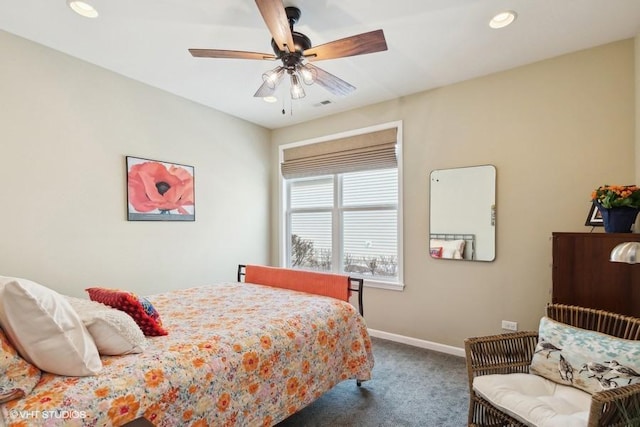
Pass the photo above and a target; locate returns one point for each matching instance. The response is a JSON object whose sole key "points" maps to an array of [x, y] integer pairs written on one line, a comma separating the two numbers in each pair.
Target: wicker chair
{"points": [[512, 352]]}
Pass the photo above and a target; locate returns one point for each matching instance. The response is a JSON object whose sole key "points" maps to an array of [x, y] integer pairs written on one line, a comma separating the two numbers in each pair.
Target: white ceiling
{"points": [[431, 43]]}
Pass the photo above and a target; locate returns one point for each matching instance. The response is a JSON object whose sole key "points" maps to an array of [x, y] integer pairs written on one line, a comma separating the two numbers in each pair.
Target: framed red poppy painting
{"points": [[159, 191]]}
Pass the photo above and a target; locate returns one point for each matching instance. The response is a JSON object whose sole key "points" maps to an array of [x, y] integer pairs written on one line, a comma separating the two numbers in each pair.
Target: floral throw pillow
{"points": [[588, 360], [436, 252], [142, 311], [17, 376]]}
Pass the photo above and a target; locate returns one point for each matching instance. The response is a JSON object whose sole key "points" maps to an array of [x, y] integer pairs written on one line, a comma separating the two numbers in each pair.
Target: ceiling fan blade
{"points": [[265, 90], [333, 84], [275, 17], [360, 44], [234, 54]]}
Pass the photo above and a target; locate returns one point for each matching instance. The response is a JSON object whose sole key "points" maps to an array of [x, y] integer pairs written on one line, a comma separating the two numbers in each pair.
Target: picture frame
{"points": [[594, 218], [159, 190]]}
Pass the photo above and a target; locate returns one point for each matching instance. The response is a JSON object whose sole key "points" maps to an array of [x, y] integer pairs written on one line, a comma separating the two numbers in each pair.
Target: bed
{"points": [[236, 354], [452, 245]]}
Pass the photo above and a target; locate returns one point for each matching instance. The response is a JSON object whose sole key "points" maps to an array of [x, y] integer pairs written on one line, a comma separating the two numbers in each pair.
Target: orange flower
{"points": [[123, 410], [187, 415], [353, 365], [322, 338], [292, 385], [253, 388], [170, 396], [305, 366], [198, 362], [153, 413], [43, 401], [356, 346], [237, 348], [265, 370], [200, 423], [250, 361], [332, 343], [267, 421], [302, 392], [153, 186], [610, 196], [223, 402], [154, 377], [265, 342], [101, 392]]}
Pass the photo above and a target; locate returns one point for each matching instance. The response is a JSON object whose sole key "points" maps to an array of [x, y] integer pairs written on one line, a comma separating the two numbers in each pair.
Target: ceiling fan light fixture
{"points": [[270, 99], [273, 77], [83, 8], [308, 74], [503, 19], [297, 91]]}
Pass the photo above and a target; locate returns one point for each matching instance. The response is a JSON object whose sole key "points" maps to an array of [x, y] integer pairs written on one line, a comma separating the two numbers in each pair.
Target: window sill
{"points": [[391, 286]]}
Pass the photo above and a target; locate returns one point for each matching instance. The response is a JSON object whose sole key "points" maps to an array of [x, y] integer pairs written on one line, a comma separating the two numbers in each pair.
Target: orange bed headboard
{"points": [[331, 285]]}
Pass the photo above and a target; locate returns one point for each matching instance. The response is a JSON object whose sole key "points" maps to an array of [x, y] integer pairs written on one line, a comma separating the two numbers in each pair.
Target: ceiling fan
{"points": [[296, 52]]}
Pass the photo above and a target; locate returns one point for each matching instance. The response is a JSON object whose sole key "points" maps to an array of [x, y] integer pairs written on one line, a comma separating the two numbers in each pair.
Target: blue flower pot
{"points": [[618, 220]]}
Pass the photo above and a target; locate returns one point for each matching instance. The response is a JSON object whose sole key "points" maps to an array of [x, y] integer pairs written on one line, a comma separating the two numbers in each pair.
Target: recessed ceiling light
{"points": [[503, 19], [270, 99], [83, 8]]}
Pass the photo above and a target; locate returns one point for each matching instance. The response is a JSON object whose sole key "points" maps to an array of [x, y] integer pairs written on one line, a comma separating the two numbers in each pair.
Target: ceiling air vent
{"points": [[321, 103]]}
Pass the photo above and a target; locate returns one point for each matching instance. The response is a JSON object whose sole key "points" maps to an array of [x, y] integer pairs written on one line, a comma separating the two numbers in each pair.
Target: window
{"points": [[345, 222]]}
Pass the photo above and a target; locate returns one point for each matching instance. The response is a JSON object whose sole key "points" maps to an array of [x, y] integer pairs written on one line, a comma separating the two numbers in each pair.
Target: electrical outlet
{"points": [[509, 325]]}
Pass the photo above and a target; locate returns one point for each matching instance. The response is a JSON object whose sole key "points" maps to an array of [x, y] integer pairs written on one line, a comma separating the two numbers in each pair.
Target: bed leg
{"points": [[359, 383]]}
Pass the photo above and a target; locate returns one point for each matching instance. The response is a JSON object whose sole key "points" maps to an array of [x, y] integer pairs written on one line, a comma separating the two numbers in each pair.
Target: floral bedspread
{"points": [[236, 355]]}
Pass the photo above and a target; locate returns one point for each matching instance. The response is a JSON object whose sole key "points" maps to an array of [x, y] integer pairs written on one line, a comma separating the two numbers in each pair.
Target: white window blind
{"points": [[345, 223]]}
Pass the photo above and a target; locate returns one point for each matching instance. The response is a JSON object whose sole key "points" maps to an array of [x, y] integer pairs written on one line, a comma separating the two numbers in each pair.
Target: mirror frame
{"points": [[469, 195]]}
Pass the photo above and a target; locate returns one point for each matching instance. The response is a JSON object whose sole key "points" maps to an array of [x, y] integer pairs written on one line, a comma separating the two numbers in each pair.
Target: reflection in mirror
{"points": [[462, 213]]}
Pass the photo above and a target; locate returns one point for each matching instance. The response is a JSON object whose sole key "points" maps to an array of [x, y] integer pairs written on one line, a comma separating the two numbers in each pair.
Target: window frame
{"points": [[283, 245]]}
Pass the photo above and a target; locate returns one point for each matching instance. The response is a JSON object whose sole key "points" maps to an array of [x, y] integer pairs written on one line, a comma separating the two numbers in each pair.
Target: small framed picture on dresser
{"points": [[594, 219]]}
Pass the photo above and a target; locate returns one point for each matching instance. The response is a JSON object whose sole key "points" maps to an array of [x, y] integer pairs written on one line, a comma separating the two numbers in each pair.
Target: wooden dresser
{"points": [[584, 276]]}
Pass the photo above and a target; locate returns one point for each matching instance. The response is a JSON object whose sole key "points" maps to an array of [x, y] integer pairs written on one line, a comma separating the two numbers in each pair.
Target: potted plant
{"points": [[618, 205]]}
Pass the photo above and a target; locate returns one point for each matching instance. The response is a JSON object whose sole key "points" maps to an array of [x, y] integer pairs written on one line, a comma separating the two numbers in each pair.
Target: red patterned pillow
{"points": [[436, 252], [144, 314]]}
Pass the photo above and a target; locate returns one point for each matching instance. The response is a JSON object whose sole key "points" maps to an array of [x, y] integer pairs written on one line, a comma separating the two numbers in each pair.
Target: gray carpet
{"points": [[410, 387]]}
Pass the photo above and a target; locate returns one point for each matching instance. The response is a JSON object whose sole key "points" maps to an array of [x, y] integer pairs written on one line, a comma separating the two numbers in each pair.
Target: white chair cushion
{"points": [[535, 400]]}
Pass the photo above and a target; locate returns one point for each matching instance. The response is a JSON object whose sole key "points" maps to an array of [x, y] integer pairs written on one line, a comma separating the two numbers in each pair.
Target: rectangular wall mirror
{"points": [[462, 216]]}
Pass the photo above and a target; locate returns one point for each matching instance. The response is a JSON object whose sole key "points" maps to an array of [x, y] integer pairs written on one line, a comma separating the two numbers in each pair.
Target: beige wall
{"points": [[65, 128], [554, 130]]}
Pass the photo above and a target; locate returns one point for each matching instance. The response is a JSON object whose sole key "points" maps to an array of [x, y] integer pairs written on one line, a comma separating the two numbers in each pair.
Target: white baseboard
{"points": [[442, 348]]}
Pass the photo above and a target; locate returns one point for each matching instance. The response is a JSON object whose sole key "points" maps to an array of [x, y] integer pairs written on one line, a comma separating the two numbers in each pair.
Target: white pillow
{"points": [[453, 249], [114, 331], [45, 329]]}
